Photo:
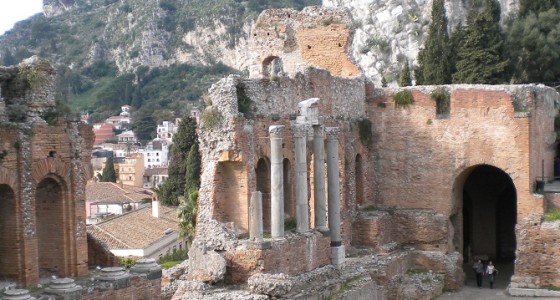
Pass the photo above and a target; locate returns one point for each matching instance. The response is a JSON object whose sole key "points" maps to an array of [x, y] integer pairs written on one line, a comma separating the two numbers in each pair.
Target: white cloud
{"points": [[12, 11]]}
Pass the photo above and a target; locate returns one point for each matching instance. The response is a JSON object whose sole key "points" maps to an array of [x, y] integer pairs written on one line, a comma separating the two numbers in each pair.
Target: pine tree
{"points": [[481, 57], [109, 174], [536, 6], [433, 64], [534, 44], [174, 186], [404, 78]]}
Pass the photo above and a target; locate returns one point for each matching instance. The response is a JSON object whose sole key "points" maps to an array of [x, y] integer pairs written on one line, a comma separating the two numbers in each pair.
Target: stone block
{"points": [[338, 256], [270, 284], [209, 267]]}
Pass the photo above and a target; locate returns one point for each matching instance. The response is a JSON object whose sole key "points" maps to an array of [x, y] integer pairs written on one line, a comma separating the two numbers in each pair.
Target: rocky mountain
{"points": [[388, 33]]}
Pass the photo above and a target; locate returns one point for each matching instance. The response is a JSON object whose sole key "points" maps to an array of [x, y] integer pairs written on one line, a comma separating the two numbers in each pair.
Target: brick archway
{"points": [[10, 245], [485, 215], [52, 225]]}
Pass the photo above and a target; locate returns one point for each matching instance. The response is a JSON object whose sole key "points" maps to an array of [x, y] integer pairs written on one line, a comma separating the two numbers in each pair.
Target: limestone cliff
{"points": [[388, 33]]}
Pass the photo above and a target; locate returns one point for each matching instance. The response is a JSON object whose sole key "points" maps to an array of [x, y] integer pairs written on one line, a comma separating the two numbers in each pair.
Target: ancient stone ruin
{"points": [[312, 181]]}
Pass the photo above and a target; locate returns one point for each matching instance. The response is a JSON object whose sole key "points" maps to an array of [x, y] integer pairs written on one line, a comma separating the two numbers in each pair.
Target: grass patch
{"points": [[417, 271], [370, 208], [403, 99], [552, 215], [344, 287], [211, 118], [290, 224], [171, 263], [552, 287]]}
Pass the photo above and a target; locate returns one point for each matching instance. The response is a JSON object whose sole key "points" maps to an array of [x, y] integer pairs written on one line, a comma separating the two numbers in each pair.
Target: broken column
{"points": [[276, 182], [302, 204], [256, 217], [319, 178], [337, 249]]}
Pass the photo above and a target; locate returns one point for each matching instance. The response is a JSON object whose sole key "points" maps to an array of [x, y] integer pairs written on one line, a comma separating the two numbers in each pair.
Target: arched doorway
{"points": [[489, 215], [263, 185], [271, 66], [9, 242], [52, 246]]}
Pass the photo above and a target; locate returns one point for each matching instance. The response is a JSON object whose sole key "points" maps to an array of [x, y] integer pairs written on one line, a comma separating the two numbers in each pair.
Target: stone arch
{"points": [[52, 227], [359, 177], [263, 185], [289, 200], [10, 247], [485, 214], [272, 66]]}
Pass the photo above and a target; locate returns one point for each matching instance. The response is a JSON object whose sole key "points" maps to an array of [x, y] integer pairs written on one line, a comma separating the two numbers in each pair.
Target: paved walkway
{"points": [[471, 292]]}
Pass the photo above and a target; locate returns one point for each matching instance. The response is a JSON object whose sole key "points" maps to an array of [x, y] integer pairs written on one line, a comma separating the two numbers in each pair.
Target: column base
{"points": [[338, 256], [258, 245]]}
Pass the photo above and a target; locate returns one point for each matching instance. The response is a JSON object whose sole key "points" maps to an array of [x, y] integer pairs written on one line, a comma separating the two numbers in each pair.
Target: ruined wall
{"points": [[481, 128], [316, 37], [46, 165]]}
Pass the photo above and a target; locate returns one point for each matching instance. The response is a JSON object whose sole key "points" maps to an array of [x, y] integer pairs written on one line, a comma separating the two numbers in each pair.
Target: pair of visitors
{"points": [[478, 268], [491, 271]]}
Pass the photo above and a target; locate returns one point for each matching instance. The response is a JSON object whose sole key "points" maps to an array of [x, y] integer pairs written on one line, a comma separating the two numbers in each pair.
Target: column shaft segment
{"points": [[319, 178], [256, 217], [276, 133], [334, 185], [302, 203]]}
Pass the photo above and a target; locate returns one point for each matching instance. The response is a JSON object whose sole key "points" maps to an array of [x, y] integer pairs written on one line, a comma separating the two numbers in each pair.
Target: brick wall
{"points": [[293, 255], [100, 255]]}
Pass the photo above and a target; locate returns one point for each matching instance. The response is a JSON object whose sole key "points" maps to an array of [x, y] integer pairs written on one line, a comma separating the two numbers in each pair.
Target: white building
{"points": [[154, 177], [127, 137], [167, 129], [156, 154]]}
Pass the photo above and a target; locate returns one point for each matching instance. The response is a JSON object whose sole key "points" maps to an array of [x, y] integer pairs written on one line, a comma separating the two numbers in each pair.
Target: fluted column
{"points": [[302, 204], [337, 249], [276, 133], [319, 178]]}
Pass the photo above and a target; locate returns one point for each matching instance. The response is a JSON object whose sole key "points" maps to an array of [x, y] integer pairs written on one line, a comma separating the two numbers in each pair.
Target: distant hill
{"points": [[158, 56]]}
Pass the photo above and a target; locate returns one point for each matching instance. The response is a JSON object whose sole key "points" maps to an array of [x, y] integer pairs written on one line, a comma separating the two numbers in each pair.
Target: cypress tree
{"points": [[404, 78], [109, 174], [174, 186], [433, 64], [481, 57], [534, 43], [192, 174]]}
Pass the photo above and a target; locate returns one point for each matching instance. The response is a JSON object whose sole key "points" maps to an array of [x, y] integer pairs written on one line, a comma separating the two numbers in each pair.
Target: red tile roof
{"points": [[113, 192]]}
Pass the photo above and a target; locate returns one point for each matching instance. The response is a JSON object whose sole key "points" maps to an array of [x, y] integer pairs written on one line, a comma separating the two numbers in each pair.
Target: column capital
{"points": [[318, 130], [276, 131], [332, 133], [300, 130]]}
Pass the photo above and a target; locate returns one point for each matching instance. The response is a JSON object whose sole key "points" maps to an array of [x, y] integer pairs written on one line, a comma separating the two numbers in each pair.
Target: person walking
{"points": [[491, 271], [478, 268]]}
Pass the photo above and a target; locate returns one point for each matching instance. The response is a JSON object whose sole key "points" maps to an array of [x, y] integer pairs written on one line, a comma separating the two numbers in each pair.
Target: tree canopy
{"points": [[433, 59], [109, 174]]}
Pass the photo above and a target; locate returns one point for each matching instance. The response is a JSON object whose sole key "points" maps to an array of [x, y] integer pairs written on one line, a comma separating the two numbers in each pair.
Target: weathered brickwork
{"points": [[287, 41], [43, 170]]}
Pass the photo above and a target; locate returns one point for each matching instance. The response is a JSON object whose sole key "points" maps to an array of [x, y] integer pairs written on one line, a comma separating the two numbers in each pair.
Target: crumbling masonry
{"points": [[412, 179], [43, 170]]}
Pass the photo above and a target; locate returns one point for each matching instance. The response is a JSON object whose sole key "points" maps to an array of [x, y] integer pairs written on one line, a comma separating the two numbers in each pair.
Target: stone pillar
{"points": [[118, 277], [276, 182], [337, 249], [319, 175], [64, 288], [17, 294], [147, 266], [256, 217], [302, 204]]}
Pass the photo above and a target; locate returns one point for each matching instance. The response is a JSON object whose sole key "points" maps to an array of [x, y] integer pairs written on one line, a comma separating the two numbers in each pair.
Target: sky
{"points": [[12, 11]]}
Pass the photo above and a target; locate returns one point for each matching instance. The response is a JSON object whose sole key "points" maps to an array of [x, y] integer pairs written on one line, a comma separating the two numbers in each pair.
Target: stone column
{"points": [[256, 217], [319, 175], [337, 249], [276, 181], [302, 204]]}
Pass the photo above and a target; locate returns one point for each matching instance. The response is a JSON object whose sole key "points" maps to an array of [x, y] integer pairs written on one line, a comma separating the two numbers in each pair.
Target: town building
{"points": [[155, 176], [149, 232], [167, 129], [127, 137], [130, 169], [156, 153], [103, 133], [108, 199]]}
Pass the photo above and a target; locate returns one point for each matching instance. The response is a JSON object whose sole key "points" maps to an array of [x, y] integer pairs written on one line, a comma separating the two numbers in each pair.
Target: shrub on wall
{"points": [[441, 97], [403, 99], [364, 130], [210, 118]]}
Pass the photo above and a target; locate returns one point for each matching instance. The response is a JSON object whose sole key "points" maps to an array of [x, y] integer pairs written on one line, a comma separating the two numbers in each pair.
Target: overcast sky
{"points": [[12, 11]]}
